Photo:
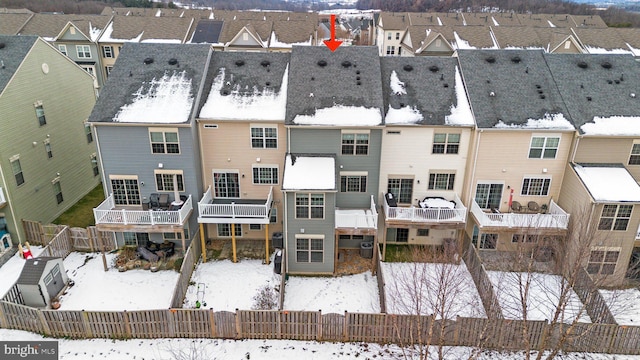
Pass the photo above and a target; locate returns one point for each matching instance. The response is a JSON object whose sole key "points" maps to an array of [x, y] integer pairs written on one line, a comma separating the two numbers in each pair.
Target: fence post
{"points": [[279, 323], [238, 326], [212, 321], [85, 323], [45, 326], [127, 324], [170, 322], [543, 337], [345, 326], [3, 317], [319, 331]]}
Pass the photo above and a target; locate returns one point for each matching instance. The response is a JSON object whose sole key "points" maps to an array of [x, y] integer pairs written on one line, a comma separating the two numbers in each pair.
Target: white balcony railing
{"points": [[429, 215], [556, 218], [3, 200], [106, 213], [358, 218], [210, 211]]}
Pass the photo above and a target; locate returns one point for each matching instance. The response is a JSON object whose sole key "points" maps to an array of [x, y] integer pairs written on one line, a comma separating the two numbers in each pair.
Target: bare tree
{"points": [[430, 285]]}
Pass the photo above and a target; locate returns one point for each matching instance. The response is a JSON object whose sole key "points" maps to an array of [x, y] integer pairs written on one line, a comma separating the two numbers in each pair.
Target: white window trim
{"points": [[536, 177], [168, 172], [443, 172], [635, 142], [546, 136], [605, 249], [83, 47], [265, 166], [61, 47], [309, 237], [164, 140], [354, 174], [324, 206], [224, 171], [264, 138], [229, 236]]}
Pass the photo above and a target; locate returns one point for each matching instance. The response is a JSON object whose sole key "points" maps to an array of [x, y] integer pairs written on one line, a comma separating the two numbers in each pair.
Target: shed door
{"points": [[53, 281]]}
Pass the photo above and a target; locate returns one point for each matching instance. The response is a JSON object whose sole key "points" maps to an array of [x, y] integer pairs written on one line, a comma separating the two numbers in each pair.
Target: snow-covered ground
{"points": [[353, 293], [10, 271], [543, 296], [412, 288], [624, 305], [229, 286], [97, 290]]}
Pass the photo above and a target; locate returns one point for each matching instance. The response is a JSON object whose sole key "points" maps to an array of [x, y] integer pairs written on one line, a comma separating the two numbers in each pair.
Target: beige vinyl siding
{"points": [[229, 147], [67, 95], [410, 154], [503, 157], [607, 150]]}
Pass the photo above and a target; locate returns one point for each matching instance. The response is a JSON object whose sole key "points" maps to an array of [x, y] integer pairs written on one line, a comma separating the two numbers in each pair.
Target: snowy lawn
{"points": [[544, 293], [624, 305], [352, 293], [230, 286], [97, 290], [417, 288], [10, 271]]}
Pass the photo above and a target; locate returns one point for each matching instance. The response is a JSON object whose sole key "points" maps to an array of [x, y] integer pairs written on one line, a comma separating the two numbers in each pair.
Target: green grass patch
{"points": [[81, 213], [398, 253]]}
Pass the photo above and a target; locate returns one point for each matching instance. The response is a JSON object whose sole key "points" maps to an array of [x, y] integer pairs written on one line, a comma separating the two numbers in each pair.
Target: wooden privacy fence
{"points": [[89, 239], [482, 281], [381, 283], [595, 304], [500, 334], [186, 270]]}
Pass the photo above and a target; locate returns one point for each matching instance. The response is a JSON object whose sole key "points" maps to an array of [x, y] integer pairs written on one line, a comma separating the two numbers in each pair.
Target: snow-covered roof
{"points": [[424, 90], [608, 183], [164, 100], [152, 83], [600, 92], [341, 88], [309, 172], [513, 89], [247, 86]]}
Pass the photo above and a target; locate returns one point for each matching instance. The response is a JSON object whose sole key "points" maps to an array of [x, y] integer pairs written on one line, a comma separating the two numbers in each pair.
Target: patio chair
{"points": [[154, 201], [516, 206], [533, 206], [163, 200]]}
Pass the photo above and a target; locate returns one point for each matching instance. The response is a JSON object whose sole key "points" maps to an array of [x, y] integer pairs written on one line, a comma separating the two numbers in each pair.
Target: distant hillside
{"points": [[612, 16]]}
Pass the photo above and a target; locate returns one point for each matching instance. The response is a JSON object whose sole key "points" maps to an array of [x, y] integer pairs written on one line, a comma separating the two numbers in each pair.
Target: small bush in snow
{"points": [[265, 299]]}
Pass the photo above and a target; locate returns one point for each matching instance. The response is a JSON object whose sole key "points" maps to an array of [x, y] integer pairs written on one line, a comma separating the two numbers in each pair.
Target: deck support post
{"points": [[233, 242], [266, 244], [202, 244]]}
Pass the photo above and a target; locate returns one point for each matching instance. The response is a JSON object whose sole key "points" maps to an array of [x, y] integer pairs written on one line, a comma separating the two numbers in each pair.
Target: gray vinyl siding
{"points": [[324, 227], [67, 96], [126, 150], [329, 141]]}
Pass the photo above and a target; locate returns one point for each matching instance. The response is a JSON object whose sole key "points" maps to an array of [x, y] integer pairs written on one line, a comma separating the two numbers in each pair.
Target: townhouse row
{"points": [[333, 149], [94, 41]]}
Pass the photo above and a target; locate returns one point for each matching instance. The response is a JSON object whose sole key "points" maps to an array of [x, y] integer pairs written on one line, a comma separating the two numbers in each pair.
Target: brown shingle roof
{"points": [[151, 28], [544, 20], [260, 29], [294, 31], [607, 39], [630, 35], [394, 21], [50, 25], [506, 19], [11, 23], [478, 19], [592, 21], [517, 37], [477, 36]]}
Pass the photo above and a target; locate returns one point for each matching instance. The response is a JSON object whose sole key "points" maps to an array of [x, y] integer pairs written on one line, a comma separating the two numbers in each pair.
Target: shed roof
{"points": [[145, 77], [512, 89], [608, 183], [33, 270], [15, 49], [599, 91]]}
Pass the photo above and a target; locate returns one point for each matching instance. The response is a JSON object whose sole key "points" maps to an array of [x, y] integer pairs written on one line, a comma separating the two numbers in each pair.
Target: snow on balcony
{"points": [[358, 218], [107, 213], [456, 213]]}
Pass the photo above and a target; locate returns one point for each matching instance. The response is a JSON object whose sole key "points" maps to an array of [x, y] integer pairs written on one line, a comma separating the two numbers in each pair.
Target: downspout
{"points": [[102, 173], [575, 148], [286, 232], [13, 214], [473, 172]]}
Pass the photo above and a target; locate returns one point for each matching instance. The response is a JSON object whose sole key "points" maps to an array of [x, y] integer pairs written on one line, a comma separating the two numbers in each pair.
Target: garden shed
{"points": [[41, 280]]}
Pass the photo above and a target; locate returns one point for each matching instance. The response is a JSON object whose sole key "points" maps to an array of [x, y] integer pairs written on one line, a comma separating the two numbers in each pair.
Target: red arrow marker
{"points": [[333, 44]]}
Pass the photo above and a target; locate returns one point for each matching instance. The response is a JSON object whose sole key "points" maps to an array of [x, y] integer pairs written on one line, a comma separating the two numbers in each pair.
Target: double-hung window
{"points": [[535, 186], [309, 206], [165, 180], [544, 147], [47, 148], [63, 49], [603, 260], [164, 141], [83, 51], [615, 217], [88, 133], [264, 137], [446, 143], [265, 175], [107, 51], [57, 190], [224, 230], [309, 248], [634, 158], [441, 181], [355, 143], [94, 164], [353, 182], [401, 188], [42, 120], [17, 169]]}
